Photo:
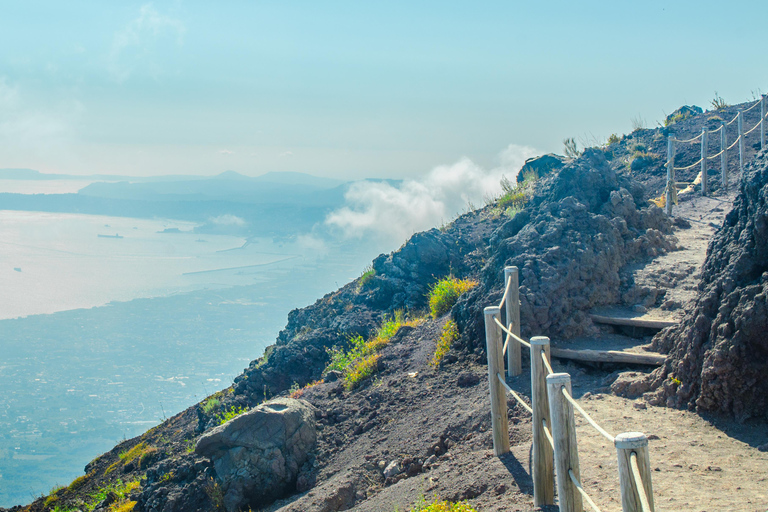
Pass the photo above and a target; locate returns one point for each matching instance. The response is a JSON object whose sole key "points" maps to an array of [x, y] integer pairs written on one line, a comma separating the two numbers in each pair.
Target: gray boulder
{"points": [[257, 455]]}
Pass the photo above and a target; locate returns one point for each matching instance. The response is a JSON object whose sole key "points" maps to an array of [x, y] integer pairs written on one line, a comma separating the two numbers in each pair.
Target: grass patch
{"points": [[444, 294], [449, 335], [79, 482], [296, 393], [442, 506], [359, 360], [233, 412], [210, 406], [133, 453], [514, 197], [362, 369], [613, 139], [125, 506], [366, 277], [718, 103], [121, 490]]}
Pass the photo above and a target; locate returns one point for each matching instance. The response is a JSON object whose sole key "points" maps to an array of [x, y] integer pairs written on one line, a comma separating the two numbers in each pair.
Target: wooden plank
{"points": [[609, 356], [499, 420], [651, 323]]}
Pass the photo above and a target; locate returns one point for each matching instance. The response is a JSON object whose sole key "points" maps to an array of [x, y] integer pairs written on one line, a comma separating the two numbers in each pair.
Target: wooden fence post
{"points": [[493, 346], [626, 444], [670, 175], [724, 156], [514, 363], [740, 124], [543, 463], [564, 435], [704, 161], [762, 122]]}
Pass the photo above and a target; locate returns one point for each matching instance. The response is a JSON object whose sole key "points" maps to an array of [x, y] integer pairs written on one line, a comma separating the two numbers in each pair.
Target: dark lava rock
{"points": [[719, 353], [467, 379], [541, 165]]}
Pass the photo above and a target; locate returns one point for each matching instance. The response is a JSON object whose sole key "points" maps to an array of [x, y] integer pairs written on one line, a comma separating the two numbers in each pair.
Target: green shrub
{"points": [[366, 277], [449, 335], [443, 506], [718, 103], [360, 370], [444, 294], [233, 412], [613, 139], [211, 405]]}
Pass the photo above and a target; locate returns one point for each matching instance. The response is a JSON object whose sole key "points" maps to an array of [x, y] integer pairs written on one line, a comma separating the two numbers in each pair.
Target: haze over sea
{"points": [[102, 337]]}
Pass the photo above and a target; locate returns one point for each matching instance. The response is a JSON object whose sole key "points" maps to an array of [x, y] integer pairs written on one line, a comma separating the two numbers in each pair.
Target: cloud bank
{"points": [[394, 213]]}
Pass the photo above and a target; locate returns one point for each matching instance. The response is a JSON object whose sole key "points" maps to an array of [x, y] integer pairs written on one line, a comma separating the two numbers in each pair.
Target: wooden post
{"points": [[740, 124], [704, 161], [543, 463], [564, 435], [514, 363], [626, 444], [724, 157], [670, 174], [493, 347], [762, 122]]}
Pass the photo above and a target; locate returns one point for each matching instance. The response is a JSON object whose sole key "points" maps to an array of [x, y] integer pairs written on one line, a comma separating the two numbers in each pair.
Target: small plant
{"points": [[675, 380], [718, 103], [449, 335], [299, 392], [125, 506], [715, 119], [444, 294], [514, 197], [613, 139], [366, 277], [233, 412], [570, 148], [442, 506], [638, 123], [79, 481], [361, 370], [215, 493], [211, 405]]}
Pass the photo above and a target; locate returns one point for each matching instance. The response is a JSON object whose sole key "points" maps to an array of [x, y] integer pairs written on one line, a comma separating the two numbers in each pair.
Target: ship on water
{"points": [[111, 236]]}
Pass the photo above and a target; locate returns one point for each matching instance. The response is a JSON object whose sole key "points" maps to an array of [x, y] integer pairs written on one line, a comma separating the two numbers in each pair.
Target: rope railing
{"points": [[504, 297], [583, 493], [515, 395], [669, 195], [697, 162], [552, 407], [639, 483], [512, 335], [587, 416]]}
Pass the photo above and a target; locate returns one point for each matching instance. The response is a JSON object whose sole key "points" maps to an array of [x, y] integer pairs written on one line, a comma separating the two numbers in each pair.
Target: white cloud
{"points": [[394, 213], [228, 220], [285, 154], [226, 152], [135, 44], [29, 124]]}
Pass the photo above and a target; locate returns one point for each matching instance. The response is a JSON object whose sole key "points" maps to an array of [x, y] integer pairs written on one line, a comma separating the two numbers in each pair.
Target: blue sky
{"points": [[351, 89]]}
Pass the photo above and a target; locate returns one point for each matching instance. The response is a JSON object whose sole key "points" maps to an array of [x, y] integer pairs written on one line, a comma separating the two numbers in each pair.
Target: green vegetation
{"points": [[442, 506], [359, 360], [79, 481], [233, 412], [514, 197], [682, 116], [449, 335], [718, 103], [366, 277], [570, 148], [613, 139], [444, 294], [211, 405], [296, 393]]}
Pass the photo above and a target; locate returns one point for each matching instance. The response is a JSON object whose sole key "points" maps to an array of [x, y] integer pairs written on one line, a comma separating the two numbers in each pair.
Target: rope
{"points": [[753, 128], [753, 106], [511, 334], [582, 491], [718, 129], [688, 167], [546, 363], [729, 123], [689, 140], [587, 417], [547, 433], [506, 290], [715, 155], [734, 142], [517, 397], [506, 345], [639, 482]]}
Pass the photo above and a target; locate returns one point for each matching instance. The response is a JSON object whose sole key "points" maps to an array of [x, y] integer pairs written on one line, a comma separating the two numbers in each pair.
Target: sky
{"points": [[352, 89]]}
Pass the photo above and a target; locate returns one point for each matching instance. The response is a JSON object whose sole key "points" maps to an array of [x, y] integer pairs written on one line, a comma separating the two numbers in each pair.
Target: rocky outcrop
{"points": [[541, 166], [719, 353], [582, 226], [258, 455]]}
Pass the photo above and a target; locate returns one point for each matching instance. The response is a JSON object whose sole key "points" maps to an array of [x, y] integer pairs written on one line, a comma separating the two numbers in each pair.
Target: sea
{"points": [[108, 325]]}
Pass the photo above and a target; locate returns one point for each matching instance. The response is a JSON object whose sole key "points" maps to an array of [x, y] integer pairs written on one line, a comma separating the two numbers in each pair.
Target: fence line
{"points": [[555, 458], [670, 193]]}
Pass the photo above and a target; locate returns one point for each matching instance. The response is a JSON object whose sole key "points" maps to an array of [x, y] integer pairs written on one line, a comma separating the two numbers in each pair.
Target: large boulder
{"points": [[541, 166], [257, 456]]}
